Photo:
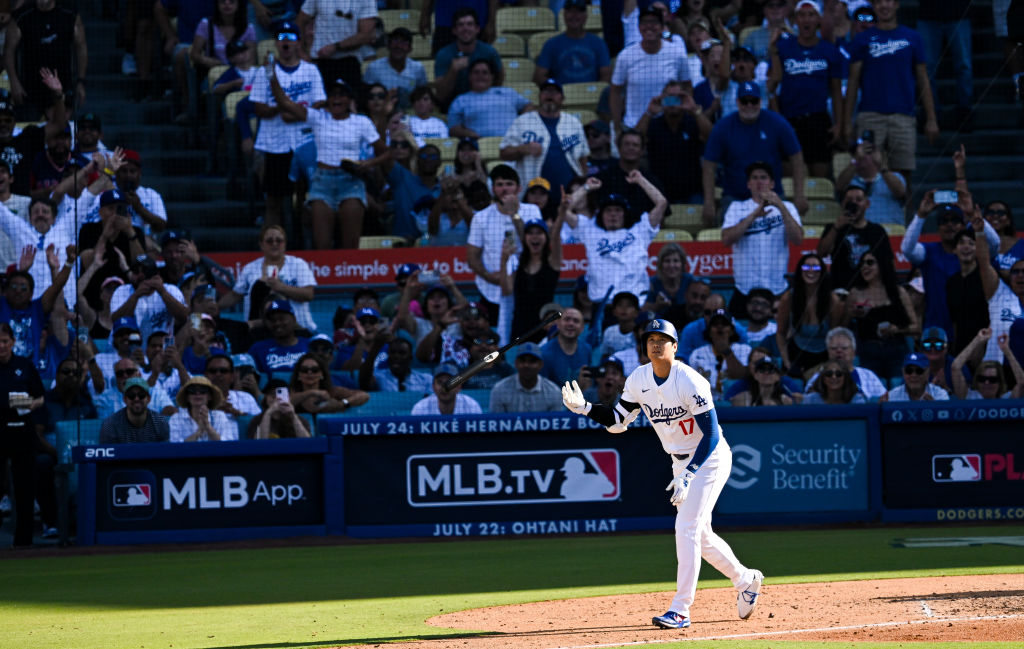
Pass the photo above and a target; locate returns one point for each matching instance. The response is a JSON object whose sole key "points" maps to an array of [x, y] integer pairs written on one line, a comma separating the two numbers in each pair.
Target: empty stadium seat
{"points": [[583, 95], [813, 188], [518, 70], [428, 68], [710, 234], [677, 236], [593, 23], [408, 18], [490, 147], [821, 213], [526, 89], [525, 19], [509, 45], [420, 48], [585, 116], [894, 229], [231, 102], [813, 231], [214, 74], [685, 217], [535, 43], [366, 243]]}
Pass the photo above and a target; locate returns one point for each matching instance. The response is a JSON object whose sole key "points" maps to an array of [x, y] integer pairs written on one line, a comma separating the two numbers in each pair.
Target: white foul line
{"points": [[924, 607], [734, 636]]}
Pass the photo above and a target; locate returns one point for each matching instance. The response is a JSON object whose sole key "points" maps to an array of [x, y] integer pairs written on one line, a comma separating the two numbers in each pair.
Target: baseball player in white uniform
{"points": [[677, 401]]}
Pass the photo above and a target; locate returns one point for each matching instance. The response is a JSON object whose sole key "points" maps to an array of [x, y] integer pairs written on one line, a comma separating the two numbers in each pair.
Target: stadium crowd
{"points": [[110, 312]]}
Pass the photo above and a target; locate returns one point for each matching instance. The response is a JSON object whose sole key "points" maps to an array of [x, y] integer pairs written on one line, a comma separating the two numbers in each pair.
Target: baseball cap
{"points": [[445, 368], [406, 269], [539, 182], [90, 120], [934, 333], [437, 287], [235, 47], [112, 196], [767, 361], [535, 223], [321, 338], [745, 54], [748, 89], [551, 83], [131, 155], [174, 234], [615, 199], [575, 4], [282, 306], [243, 360], [287, 31], [650, 11], [145, 261], [367, 312], [529, 349], [915, 359], [548, 308], [807, 3], [948, 210], [469, 141], [136, 382], [121, 324], [474, 310], [599, 126], [761, 292], [853, 6], [611, 360], [338, 86], [708, 44], [720, 314], [701, 23], [759, 164]]}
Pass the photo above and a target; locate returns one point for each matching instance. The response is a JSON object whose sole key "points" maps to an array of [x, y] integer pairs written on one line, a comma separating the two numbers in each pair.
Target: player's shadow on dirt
{"points": [[977, 594]]}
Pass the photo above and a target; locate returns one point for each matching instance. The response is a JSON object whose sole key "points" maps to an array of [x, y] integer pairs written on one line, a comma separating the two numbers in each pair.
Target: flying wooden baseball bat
{"points": [[493, 357]]}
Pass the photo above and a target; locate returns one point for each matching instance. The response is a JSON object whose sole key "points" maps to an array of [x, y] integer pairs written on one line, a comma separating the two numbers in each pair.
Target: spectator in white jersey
{"points": [[337, 196]]}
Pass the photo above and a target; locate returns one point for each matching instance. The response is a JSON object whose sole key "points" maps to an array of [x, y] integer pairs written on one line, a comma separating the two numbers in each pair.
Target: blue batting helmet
{"points": [[663, 327]]}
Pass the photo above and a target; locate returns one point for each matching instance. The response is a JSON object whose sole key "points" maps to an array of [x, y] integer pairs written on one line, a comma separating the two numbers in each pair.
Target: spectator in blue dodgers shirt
{"points": [[198, 418], [937, 259], [395, 374], [485, 110], [643, 69], [810, 71], [526, 390], [1005, 300], [280, 133], [841, 345], [112, 399], [750, 135], [722, 356], [692, 335], [675, 129], [136, 421], [915, 386], [885, 63], [575, 55], [275, 272], [397, 71], [547, 142], [27, 317], [760, 230], [279, 353], [337, 195], [491, 226], [154, 305], [617, 255], [565, 354], [453, 62], [446, 402]]}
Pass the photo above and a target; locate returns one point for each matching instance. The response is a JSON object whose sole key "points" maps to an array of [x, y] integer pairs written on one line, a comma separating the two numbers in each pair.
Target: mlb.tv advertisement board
{"points": [[954, 461], [546, 473]]}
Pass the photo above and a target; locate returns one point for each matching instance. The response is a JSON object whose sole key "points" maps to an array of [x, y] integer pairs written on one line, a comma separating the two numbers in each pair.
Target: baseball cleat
{"points": [[746, 601], [671, 620]]}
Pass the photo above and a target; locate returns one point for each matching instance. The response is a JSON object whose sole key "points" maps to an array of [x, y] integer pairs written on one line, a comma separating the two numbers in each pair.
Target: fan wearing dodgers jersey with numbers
{"points": [[677, 401]]}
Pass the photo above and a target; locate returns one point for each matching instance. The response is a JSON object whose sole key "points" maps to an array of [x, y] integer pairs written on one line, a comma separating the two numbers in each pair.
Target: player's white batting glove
{"points": [[573, 399], [624, 424], [680, 487]]}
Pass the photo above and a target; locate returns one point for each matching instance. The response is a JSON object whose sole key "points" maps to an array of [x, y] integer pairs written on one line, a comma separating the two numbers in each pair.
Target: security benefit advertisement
{"points": [[796, 466], [251, 492], [525, 483], [963, 470]]}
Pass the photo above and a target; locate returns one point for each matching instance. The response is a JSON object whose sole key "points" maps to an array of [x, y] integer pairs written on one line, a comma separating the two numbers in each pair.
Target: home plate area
{"points": [[963, 608]]}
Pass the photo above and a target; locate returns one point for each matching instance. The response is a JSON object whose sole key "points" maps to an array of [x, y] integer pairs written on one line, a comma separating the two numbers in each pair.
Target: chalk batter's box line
{"points": [[735, 636]]}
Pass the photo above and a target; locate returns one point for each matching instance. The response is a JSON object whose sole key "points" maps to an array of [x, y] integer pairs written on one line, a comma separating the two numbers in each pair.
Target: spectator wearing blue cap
{"points": [[527, 390], [751, 134], [575, 55], [915, 386], [277, 139], [113, 234], [937, 259], [443, 401], [547, 142], [343, 36], [155, 305], [279, 353], [389, 304]]}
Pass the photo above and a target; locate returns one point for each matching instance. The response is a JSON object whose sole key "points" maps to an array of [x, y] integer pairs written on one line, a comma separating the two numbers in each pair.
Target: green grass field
{"points": [[331, 595]]}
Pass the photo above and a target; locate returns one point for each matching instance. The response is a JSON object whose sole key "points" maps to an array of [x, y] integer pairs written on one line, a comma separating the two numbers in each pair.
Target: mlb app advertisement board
{"points": [[963, 462]]}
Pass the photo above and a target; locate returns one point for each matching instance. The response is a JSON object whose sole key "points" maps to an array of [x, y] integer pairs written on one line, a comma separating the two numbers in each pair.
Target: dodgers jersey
{"points": [[671, 406]]}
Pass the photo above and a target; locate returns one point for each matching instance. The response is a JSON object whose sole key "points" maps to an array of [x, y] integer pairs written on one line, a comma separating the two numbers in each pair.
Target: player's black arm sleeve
{"points": [[708, 422], [610, 416]]}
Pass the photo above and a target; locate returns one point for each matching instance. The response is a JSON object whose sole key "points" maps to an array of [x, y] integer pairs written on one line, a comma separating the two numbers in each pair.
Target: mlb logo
{"points": [[964, 467], [132, 495]]}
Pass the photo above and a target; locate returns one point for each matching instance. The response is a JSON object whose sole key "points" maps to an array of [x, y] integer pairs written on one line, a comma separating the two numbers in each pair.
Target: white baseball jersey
{"points": [[1003, 309], [304, 86], [671, 406], [761, 256], [529, 127], [617, 258]]}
